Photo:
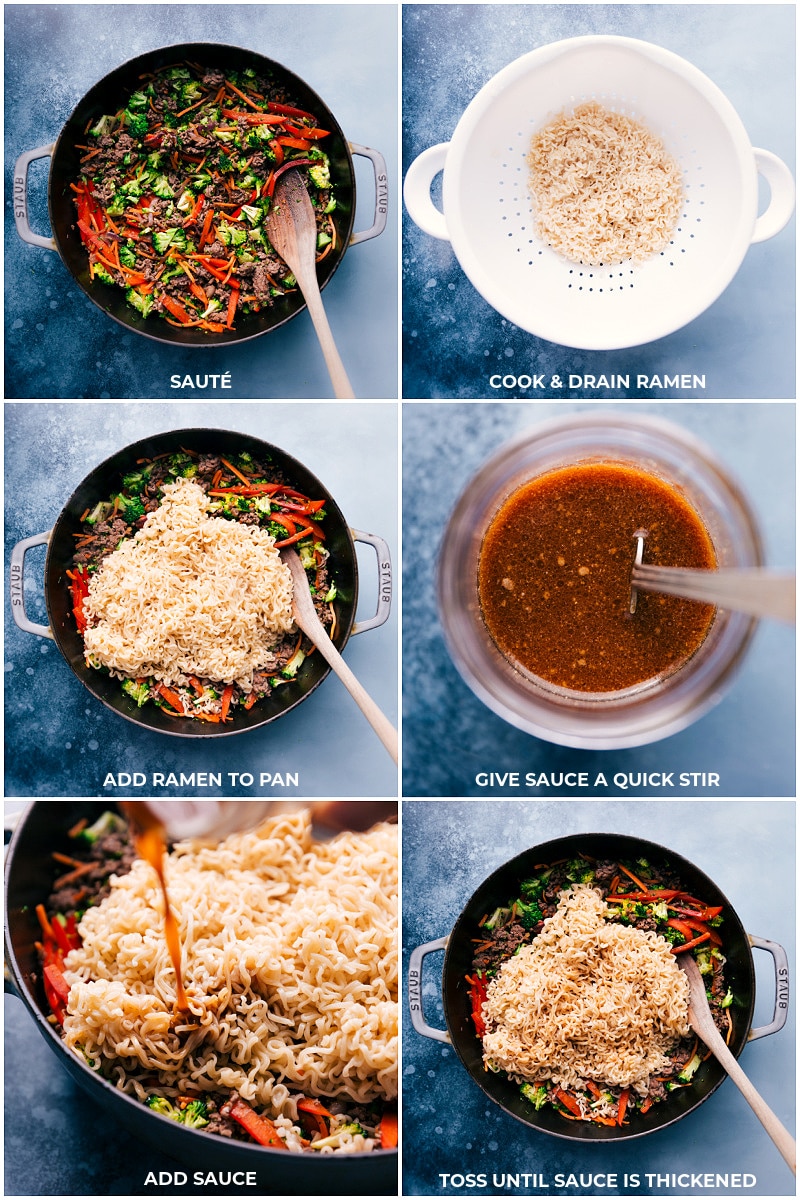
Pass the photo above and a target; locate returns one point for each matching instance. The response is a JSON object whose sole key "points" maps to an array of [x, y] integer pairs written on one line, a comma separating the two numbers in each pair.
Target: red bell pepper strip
{"points": [[698, 941], [172, 698], [388, 1130], [232, 302], [301, 132], [288, 111], [293, 143], [623, 1104], [177, 310], [317, 1117], [261, 1129], [58, 983], [60, 935], [226, 702], [568, 1101], [477, 996]]}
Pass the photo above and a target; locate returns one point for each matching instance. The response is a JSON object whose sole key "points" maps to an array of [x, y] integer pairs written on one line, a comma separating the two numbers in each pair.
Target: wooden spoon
{"points": [[702, 1022], [305, 617], [292, 230]]}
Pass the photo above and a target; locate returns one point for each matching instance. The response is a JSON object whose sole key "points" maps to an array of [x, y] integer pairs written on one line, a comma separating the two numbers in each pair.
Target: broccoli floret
{"points": [[579, 871], [307, 556], [137, 102], [190, 92], [331, 593], [293, 665], [161, 187], [703, 959], [132, 508], [195, 1114], [330, 206], [320, 174], [136, 122], [102, 274], [107, 822], [117, 205], [497, 916], [140, 692], [727, 999], [98, 513], [127, 256], [161, 1104], [141, 303], [252, 213], [165, 239], [529, 914], [103, 126], [660, 911], [688, 1071], [263, 506], [134, 481], [535, 1094], [673, 936], [532, 889], [352, 1127], [322, 239]]}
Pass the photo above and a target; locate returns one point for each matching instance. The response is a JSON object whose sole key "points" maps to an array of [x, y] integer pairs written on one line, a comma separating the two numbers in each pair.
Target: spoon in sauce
{"points": [[702, 1022], [757, 592]]}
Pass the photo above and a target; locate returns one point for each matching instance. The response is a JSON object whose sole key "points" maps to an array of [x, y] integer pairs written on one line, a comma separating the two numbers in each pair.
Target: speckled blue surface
{"points": [[449, 848], [453, 341], [61, 741], [57, 342], [449, 735]]}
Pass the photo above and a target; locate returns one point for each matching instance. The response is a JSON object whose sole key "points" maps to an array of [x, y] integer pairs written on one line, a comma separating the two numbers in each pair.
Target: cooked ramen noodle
{"points": [[189, 595], [289, 959], [588, 999], [604, 188]]}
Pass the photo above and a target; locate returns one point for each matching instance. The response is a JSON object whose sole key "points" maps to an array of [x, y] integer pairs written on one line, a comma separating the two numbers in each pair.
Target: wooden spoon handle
{"points": [[377, 719], [779, 1134], [342, 388]]}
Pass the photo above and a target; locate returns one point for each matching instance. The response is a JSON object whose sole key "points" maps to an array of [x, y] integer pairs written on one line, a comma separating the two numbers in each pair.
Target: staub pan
{"points": [[107, 96], [29, 876], [495, 891], [105, 479]]}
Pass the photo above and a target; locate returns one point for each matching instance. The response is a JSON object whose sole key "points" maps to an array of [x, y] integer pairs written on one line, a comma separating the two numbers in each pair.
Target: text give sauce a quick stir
{"points": [[554, 577]]}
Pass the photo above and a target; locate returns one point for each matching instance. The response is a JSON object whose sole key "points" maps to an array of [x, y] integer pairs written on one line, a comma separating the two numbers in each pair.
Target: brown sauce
{"points": [[151, 846], [554, 577]]}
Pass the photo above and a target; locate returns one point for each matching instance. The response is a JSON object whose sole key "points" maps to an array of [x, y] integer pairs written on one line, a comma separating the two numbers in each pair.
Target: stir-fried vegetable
{"points": [[175, 186], [637, 894]]}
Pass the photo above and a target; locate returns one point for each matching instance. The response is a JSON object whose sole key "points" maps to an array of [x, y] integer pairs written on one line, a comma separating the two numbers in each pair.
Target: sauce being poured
{"points": [[151, 846], [554, 577]]}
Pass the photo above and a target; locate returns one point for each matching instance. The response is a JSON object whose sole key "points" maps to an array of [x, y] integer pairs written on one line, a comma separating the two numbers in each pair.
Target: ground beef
{"points": [[112, 854]]}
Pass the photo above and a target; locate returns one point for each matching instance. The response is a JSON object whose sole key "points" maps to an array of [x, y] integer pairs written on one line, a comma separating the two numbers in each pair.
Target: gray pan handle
{"points": [[384, 581], [418, 956], [21, 197], [381, 193], [17, 584], [781, 965]]}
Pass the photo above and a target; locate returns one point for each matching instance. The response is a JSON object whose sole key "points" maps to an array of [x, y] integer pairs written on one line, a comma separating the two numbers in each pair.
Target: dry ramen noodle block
{"points": [[289, 952], [587, 999], [604, 188]]}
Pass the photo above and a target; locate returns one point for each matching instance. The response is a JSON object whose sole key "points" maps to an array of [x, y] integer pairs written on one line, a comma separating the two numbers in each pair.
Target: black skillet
{"points": [[99, 485], [29, 875], [108, 96], [496, 891]]}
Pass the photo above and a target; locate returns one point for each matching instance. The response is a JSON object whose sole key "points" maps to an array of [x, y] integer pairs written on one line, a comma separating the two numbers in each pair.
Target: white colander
{"points": [[487, 213]]}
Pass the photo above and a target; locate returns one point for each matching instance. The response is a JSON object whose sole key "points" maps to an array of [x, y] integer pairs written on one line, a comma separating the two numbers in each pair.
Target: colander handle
{"points": [[418, 956], [781, 198], [780, 962], [417, 191], [17, 584], [21, 197]]}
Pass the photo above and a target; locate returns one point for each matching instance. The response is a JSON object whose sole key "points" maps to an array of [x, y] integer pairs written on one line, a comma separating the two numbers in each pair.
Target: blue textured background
{"points": [[453, 341], [449, 1125], [61, 741], [57, 342], [449, 735]]}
